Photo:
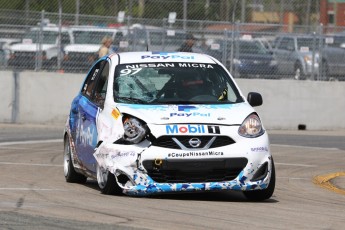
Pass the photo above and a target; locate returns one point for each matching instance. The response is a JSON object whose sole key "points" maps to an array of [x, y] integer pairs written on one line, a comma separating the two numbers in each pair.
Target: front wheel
{"points": [[325, 71], [70, 174], [107, 182], [264, 194], [298, 75]]}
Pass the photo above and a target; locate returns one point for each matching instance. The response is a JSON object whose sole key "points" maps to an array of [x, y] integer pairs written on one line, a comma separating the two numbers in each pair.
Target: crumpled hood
{"points": [[229, 114], [31, 47]]}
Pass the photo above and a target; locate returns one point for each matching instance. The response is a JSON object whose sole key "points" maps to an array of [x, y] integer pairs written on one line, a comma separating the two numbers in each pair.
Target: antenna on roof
{"points": [[147, 47]]}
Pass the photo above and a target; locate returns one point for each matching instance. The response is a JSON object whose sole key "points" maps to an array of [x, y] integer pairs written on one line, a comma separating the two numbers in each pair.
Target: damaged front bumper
{"points": [[143, 169]]}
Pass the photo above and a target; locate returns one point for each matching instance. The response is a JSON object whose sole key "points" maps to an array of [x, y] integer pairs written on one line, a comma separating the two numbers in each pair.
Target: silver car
{"points": [[297, 56]]}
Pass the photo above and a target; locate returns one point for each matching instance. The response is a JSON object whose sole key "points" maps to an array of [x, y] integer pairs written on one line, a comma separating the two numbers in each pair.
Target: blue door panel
{"points": [[86, 135]]}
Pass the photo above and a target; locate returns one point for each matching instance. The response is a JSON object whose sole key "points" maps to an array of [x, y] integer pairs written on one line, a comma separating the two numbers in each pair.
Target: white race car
{"points": [[147, 123]]}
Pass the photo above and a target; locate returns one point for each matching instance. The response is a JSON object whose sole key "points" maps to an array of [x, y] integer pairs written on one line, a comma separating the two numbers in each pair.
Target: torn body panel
{"points": [[144, 163]]}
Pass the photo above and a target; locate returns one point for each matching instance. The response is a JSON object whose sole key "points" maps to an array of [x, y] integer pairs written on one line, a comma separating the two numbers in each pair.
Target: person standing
{"points": [[105, 47], [188, 44]]}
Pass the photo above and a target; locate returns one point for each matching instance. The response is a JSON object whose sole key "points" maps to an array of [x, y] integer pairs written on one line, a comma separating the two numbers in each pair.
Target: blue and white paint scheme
{"points": [[97, 133]]}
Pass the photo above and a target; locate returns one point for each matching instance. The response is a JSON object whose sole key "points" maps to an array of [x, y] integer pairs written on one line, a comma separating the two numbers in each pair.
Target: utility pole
{"points": [[308, 15], [77, 8], [59, 54], [243, 11], [185, 14], [335, 12], [27, 6]]}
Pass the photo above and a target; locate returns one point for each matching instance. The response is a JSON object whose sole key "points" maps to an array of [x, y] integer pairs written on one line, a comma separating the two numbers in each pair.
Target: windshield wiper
{"points": [[131, 99]]}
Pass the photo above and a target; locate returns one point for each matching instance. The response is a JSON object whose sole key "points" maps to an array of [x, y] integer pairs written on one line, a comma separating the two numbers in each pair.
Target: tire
{"points": [[264, 194], [298, 74], [71, 175], [50, 65], [107, 182], [325, 71]]}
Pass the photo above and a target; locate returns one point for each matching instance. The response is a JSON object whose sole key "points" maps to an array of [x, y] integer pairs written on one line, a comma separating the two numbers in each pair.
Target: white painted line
{"points": [[293, 178], [33, 189], [305, 147], [298, 165], [30, 142], [29, 164]]}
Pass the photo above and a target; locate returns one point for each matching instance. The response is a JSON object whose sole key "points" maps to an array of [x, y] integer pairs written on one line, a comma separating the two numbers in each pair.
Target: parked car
{"points": [[297, 55], [87, 40], [147, 123], [332, 55], [5, 44], [39, 48], [153, 38], [249, 57]]}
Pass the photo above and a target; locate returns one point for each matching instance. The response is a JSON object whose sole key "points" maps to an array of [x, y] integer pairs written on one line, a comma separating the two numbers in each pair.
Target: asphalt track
{"points": [[309, 192]]}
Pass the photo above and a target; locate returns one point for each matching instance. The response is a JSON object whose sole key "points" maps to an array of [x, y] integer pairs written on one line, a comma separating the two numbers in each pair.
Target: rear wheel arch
{"points": [[70, 173], [298, 71], [325, 70]]}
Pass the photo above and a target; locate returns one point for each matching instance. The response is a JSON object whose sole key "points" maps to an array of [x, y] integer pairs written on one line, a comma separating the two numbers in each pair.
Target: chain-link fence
{"points": [[252, 38]]}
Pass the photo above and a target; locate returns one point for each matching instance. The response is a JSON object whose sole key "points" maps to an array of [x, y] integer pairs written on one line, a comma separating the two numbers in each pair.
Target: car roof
{"points": [[296, 36], [49, 28], [93, 28], [145, 57]]}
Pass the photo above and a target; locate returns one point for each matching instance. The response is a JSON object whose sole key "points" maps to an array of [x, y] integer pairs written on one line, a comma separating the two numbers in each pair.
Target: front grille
{"points": [[168, 141], [24, 55], [194, 171]]}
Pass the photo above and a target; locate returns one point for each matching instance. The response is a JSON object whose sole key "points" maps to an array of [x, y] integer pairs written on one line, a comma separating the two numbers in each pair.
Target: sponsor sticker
{"points": [[86, 135], [115, 114], [195, 154], [186, 108], [122, 154], [165, 56], [259, 149], [192, 129]]}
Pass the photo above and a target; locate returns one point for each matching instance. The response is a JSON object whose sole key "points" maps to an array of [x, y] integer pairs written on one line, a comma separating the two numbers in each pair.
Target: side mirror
{"points": [[254, 99]]}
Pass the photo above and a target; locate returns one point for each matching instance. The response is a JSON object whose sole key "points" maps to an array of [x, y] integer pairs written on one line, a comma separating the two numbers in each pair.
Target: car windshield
{"points": [[307, 43], [252, 47], [245, 47], [161, 38], [48, 37], [174, 83], [90, 37]]}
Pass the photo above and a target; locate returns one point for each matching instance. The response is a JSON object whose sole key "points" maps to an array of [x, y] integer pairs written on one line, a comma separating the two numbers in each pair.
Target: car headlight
{"points": [[135, 130], [251, 127], [307, 58]]}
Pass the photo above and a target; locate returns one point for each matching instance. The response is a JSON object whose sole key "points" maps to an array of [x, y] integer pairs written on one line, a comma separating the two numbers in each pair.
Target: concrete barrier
{"points": [[6, 96], [45, 98]]}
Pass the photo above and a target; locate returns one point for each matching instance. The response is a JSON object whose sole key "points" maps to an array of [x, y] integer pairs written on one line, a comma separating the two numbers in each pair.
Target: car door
{"points": [[87, 108], [335, 56], [284, 54]]}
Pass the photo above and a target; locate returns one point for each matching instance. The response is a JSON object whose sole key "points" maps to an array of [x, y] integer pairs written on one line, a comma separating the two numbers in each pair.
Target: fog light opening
{"points": [[261, 173], [124, 180]]}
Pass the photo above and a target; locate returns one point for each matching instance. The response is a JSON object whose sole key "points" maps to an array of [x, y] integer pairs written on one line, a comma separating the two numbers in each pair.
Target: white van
{"points": [[87, 40], [39, 48]]}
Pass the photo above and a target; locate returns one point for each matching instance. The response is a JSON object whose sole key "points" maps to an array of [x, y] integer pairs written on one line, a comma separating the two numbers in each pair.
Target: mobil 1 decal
{"points": [[192, 129]]}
